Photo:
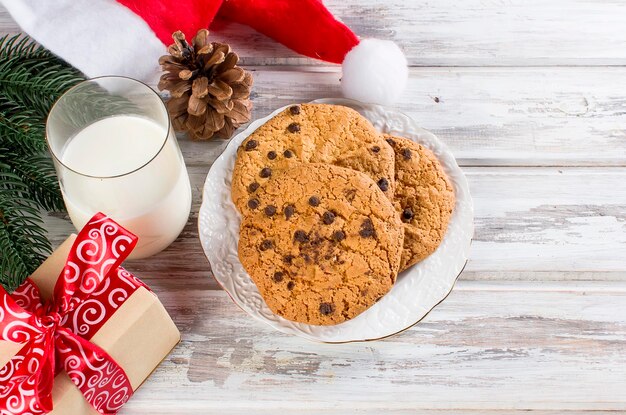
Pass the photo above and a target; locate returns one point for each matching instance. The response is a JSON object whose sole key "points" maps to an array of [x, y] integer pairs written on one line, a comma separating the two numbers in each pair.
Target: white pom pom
{"points": [[374, 71]]}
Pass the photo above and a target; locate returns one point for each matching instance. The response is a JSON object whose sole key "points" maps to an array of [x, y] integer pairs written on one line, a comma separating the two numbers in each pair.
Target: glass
{"points": [[115, 152]]}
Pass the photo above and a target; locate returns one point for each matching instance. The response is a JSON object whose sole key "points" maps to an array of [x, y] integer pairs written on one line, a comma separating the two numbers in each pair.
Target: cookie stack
{"points": [[333, 211]]}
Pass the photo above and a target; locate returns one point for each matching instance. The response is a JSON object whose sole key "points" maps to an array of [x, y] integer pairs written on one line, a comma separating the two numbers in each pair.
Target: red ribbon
{"points": [[56, 333]]}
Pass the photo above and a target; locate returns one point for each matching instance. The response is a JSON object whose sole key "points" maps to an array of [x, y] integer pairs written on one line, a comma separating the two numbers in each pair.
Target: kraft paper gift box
{"points": [[138, 336]]}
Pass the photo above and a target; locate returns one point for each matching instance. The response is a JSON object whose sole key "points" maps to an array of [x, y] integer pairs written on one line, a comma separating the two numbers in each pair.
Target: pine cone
{"points": [[210, 94]]}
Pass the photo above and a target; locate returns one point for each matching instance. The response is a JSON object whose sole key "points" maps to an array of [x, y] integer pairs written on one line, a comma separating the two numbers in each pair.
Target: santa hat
{"points": [[126, 37]]}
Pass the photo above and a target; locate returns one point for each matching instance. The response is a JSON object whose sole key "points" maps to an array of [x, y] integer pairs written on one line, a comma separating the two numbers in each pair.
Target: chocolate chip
{"points": [[407, 215], [300, 236], [295, 110], [391, 142], [290, 285], [294, 127], [271, 155], [253, 203], [288, 259], [278, 276], [406, 153], [251, 145], [289, 211], [270, 210], [339, 236], [252, 187], [288, 154], [375, 149], [314, 201], [326, 309], [265, 172], [383, 184], [367, 229], [328, 218], [266, 244]]}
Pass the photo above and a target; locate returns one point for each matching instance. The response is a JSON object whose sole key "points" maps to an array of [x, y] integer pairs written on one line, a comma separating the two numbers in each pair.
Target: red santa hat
{"points": [[126, 37]]}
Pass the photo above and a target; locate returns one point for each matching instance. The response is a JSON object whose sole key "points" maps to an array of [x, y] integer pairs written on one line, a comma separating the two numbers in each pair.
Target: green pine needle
{"points": [[31, 80], [37, 173], [22, 128], [31, 76], [23, 242]]}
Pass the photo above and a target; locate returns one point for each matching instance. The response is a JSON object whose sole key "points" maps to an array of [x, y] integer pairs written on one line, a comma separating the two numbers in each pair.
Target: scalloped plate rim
{"points": [[384, 115]]}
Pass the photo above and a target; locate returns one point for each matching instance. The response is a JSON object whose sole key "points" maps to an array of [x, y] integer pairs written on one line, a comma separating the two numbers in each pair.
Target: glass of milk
{"points": [[115, 152]]}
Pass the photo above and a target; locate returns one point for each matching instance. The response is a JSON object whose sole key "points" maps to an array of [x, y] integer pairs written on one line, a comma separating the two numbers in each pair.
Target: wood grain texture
{"points": [[488, 116], [468, 32], [530, 96], [551, 347], [531, 224], [462, 32], [7, 24]]}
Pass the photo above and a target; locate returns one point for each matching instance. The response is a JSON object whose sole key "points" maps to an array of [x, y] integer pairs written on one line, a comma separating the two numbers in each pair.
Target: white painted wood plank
{"points": [[7, 24], [472, 32], [488, 116], [488, 347], [549, 219], [501, 116], [463, 32], [531, 224]]}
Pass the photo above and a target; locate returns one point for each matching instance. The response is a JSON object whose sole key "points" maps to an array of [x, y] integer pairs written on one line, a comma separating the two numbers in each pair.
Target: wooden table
{"points": [[531, 97]]}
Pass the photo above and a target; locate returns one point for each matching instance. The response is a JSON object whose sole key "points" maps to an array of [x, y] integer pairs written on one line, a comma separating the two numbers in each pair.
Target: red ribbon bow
{"points": [[56, 333]]}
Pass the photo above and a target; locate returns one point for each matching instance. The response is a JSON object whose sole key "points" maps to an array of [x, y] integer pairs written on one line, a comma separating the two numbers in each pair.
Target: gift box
{"points": [[81, 334]]}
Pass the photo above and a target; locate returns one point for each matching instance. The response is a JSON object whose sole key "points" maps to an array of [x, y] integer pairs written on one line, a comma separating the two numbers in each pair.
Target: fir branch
{"points": [[31, 80], [38, 174], [21, 129], [34, 86], [31, 76], [20, 45], [23, 243]]}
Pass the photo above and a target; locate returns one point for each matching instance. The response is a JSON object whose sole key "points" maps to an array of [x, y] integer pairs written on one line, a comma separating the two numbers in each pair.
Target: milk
{"points": [[153, 201]]}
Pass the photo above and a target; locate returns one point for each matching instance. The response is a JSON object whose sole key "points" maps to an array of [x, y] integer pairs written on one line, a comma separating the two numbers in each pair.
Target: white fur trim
{"points": [[374, 71], [98, 37]]}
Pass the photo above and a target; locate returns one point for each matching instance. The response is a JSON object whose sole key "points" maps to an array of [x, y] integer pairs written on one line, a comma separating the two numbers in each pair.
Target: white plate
{"points": [[417, 290]]}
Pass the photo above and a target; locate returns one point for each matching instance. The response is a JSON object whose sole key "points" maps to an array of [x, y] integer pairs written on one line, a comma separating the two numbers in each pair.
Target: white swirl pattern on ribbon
{"points": [[84, 310], [129, 279], [27, 296], [89, 312], [104, 374]]}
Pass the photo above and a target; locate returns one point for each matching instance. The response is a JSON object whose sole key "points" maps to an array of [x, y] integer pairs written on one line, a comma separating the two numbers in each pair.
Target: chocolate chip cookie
{"points": [[424, 198], [310, 133], [323, 243]]}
